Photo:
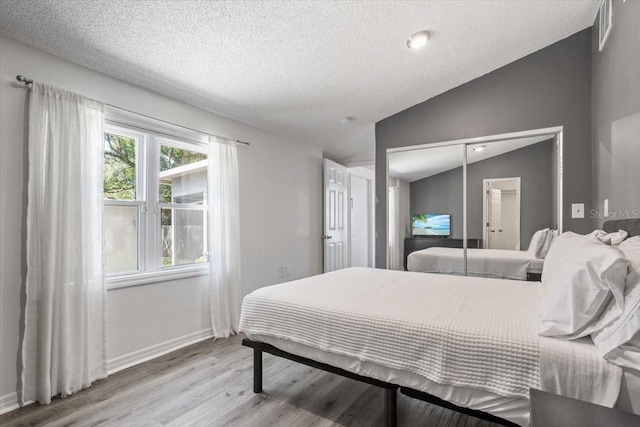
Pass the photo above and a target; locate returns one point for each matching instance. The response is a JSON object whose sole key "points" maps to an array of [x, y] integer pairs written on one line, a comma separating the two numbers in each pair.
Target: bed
{"points": [[497, 263], [467, 343]]}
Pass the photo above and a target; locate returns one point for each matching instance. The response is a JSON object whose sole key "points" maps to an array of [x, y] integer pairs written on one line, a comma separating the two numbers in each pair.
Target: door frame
{"points": [[355, 169], [485, 206]]}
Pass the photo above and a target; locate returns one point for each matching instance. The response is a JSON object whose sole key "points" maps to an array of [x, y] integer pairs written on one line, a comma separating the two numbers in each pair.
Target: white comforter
{"points": [[449, 329], [505, 264]]}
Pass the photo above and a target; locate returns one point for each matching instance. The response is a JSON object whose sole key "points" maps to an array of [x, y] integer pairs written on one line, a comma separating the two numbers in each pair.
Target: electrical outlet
{"points": [[288, 270], [281, 271], [577, 210]]}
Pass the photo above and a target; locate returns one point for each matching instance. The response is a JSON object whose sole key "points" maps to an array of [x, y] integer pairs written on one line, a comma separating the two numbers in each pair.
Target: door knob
{"points": [[327, 237]]}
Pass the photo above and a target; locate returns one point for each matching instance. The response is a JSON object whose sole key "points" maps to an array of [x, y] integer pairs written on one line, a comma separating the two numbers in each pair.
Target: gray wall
{"points": [[442, 193], [616, 113], [550, 87]]}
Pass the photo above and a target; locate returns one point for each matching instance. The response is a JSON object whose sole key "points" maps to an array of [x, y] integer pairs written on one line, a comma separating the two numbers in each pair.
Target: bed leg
{"points": [[257, 370], [390, 406]]}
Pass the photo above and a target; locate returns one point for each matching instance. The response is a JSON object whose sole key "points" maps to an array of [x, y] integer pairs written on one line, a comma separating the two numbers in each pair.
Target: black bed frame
{"points": [[390, 390]]}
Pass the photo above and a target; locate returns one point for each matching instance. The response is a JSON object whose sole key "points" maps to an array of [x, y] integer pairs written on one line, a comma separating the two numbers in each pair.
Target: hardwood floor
{"points": [[210, 384]]}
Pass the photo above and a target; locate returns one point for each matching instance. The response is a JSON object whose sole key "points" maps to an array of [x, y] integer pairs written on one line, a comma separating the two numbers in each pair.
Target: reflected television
{"points": [[431, 225]]}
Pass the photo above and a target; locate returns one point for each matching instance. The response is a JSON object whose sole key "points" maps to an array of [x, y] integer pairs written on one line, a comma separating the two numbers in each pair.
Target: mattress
{"points": [[498, 263], [430, 332]]}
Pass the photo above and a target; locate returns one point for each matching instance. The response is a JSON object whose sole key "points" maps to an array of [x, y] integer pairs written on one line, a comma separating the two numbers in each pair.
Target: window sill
{"points": [[137, 279]]}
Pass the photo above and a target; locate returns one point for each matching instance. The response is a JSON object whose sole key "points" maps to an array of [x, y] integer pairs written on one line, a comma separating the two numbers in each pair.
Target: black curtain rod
{"points": [[28, 83]]}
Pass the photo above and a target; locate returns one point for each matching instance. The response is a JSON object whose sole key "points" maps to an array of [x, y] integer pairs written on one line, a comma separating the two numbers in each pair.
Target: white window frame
{"points": [[605, 22], [150, 269]]}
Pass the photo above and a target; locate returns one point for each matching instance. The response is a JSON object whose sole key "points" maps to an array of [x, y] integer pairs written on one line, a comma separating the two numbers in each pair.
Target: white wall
{"points": [[360, 222], [280, 203]]}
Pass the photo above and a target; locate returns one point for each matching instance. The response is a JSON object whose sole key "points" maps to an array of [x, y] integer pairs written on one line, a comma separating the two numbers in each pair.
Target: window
{"points": [[604, 22], [155, 202]]}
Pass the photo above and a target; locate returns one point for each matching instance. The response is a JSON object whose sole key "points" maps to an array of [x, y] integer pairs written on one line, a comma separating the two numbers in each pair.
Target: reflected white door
{"points": [[336, 224], [495, 218], [502, 213]]}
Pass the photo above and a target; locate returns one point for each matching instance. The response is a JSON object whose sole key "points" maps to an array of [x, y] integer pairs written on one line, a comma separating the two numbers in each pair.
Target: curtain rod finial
{"points": [[23, 79]]}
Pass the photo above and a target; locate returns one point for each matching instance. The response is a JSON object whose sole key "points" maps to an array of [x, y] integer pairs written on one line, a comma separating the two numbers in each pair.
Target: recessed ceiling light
{"points": [[478, 148], [418, 40], [346, 121]]}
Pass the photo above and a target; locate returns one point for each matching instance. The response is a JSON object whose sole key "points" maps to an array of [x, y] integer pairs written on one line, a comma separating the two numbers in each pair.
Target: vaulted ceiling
{"points": [[295, 68]]}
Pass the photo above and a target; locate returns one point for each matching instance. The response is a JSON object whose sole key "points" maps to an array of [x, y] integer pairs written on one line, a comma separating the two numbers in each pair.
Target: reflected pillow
{"points": [[538, 243], [631, 249], [581, 275]]}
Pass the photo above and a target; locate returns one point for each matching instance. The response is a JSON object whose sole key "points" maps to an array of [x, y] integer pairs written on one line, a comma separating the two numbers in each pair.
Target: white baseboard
{"points": [[9, 402], [143, 355]]}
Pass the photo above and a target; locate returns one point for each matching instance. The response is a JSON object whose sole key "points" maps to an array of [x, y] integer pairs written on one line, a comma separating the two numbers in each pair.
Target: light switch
{"points": [[606, 208], [577, 210]]}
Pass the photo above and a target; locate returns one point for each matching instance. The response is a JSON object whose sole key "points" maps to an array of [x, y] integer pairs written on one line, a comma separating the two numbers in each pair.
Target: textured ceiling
{"points": [[412, 165], [295, 68]]}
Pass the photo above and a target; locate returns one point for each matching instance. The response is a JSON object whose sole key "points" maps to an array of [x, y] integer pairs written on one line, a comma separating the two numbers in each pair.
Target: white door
{"points": [[336, 224], [494, 231]]}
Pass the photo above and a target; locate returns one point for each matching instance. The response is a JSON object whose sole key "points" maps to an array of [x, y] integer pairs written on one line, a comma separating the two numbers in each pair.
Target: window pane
{"points": [[119, 167], [121, 238], [183, 175], [184, 237]]}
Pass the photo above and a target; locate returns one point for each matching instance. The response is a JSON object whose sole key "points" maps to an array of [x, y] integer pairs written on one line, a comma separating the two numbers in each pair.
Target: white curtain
{"points": [[394, 240], [63, 349], [224, 237]]}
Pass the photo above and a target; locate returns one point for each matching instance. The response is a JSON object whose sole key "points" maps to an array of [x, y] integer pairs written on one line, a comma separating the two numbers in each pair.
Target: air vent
{"points": [[605, 22]]}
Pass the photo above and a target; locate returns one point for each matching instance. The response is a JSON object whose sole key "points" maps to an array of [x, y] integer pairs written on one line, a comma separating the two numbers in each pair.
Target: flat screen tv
{"points": [[431, 225]]}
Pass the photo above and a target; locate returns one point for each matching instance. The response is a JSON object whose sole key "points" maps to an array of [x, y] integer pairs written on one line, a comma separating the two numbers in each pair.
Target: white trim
{"points": [[152, 352], [485, 235], [361, 164], [488, 138], [156, 127], [607, 31], [9, 402], [169, 273], [465, 236]]}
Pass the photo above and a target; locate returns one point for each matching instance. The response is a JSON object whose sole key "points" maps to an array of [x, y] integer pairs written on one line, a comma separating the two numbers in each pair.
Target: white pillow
{"points": [[550, 236], [614, 238], [631, 249], [598, 234], [618, 335], [580, 276]]}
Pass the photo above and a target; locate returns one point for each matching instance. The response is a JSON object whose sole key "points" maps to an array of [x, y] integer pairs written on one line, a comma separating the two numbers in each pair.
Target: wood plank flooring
{"points": [[210, 384]]}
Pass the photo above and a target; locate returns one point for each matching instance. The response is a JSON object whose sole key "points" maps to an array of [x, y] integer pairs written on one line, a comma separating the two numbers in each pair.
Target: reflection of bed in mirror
{"points": [[497, 263]]}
